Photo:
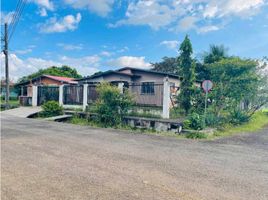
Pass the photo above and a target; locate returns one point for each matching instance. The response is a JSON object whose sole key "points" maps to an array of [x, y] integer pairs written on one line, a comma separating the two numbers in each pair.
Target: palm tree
{"points": [[215, 54]]}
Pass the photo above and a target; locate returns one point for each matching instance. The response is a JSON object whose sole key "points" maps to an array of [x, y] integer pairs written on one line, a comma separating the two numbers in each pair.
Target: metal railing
{"points": [[47, 93], [73, 94]]}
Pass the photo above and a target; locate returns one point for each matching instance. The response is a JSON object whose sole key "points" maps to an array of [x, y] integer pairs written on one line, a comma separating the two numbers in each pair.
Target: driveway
{"points": [[48, 160], [22, 111]]}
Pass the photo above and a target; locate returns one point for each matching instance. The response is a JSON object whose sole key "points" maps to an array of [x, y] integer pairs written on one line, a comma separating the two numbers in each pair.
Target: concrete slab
{"points": [[23, 112]]}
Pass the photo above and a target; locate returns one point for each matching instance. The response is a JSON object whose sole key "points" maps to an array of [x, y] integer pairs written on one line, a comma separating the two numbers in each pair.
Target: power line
{"points": [[16, 17]]}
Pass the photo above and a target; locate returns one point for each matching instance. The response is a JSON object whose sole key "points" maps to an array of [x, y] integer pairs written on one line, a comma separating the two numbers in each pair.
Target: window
{"points": [[147, 88]]}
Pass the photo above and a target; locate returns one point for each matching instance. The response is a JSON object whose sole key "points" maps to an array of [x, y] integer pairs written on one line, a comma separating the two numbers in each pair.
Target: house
{"points": [[13, 93], [48, 80], [146, 85], [131, 76], [26, 89]]}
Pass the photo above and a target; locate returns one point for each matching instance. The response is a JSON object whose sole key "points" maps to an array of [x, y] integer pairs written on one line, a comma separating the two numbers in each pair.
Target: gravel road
{"points": [[48, 160]]}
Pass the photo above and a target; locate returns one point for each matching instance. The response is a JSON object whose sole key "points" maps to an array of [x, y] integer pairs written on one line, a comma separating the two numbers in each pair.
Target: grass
{"points": [[256, 123], [85, 122], [12, 104]]}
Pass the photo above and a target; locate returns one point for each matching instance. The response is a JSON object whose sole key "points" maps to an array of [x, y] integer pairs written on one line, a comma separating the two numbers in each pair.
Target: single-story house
{"points": [[48, 80], [146, 85], [131, 76], [13, 93]]}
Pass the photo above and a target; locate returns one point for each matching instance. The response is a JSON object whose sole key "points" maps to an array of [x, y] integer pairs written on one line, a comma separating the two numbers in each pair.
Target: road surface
{"points": [[49, 160]]}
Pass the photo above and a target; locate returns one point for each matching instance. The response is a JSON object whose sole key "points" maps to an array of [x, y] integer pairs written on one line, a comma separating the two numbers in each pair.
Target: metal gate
{"points": [[73, 94], [47, 93]]}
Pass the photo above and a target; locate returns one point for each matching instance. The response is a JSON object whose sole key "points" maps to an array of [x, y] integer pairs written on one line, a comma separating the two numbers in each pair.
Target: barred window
{"points": [[147, 88]]}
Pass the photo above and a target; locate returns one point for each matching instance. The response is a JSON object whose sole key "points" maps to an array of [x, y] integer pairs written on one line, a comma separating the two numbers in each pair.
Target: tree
{"points": [[215, 54], [54, 71], [167, 65], [187, 71], [235, 80]]}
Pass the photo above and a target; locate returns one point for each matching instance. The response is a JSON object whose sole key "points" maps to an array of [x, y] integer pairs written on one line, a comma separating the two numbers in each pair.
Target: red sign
{"points": [[207, 85]]}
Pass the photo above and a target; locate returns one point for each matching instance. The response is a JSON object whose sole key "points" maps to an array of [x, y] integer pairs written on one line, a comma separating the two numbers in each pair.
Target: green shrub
{"points": [[213, 120], [51, 108], [238, 117], [196, 135], [177, 112], [111, 105], [194, 121]]}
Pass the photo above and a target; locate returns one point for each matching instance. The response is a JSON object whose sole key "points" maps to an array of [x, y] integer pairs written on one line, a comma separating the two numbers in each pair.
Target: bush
{"points": [[196, 135], [111, 105], [238, 117], [194, 121], [51, 108], [177, 112], [212, 120]]}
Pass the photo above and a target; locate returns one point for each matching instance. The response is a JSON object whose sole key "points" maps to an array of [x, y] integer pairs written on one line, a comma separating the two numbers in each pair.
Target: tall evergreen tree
{"points": [[187, 72]]}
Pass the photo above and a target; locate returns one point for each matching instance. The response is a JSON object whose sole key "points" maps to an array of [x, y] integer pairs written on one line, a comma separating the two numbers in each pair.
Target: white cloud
{"points": [[187, 23], [241, 8], [185, 15], [44, 4], [122, 50], [129, 61], [19, 67], [147, 12], [6, 17], [29, 49], [69, 22], [23, 51], [170, 44], [208, 28], [106, 53], [100, 7], [42, 12], [70, 47]]}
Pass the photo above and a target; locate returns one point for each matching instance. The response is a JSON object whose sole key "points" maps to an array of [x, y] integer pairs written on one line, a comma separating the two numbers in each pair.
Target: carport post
{"points": [[166, 98], [34, 95], [61, 95], [85, 86]]}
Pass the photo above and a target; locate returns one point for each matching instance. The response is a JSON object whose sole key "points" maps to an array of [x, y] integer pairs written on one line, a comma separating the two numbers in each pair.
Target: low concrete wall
{"points": [[155, 124], [140, 122]]}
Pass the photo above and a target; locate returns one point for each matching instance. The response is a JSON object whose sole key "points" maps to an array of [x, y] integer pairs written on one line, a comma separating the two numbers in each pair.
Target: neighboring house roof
{"points": [[60, 79], [3, 83], [119, 72]]}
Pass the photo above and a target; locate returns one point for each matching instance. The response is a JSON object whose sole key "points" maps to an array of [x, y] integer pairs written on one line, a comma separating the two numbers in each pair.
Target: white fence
{"points": [[79, 96]]}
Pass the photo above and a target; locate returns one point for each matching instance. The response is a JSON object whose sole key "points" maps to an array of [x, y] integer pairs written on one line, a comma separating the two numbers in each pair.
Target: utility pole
{"points": [[6, 64]]}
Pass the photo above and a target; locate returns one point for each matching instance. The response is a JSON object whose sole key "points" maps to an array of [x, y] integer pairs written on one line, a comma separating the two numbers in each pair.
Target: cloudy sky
{"points": [[94, 35]]}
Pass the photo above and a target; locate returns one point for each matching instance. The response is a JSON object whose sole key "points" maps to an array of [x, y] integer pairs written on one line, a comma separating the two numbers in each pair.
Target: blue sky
{"points": [[97, 35]]}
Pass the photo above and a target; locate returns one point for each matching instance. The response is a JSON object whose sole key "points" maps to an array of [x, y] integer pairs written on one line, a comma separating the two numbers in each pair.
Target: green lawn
{"points": [[12, 103], [257, 122]]}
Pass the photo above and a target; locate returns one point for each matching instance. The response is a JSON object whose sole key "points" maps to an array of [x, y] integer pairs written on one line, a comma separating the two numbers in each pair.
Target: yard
{"points": [[51, 160]]}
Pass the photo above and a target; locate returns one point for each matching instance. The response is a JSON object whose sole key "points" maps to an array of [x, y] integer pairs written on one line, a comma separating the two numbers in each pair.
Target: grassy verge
{"points": [[85, 122], [257, 122]]}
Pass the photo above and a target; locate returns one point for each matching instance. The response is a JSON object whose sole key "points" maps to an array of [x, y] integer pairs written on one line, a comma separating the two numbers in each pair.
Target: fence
{"points": [[92, 94], [47, 93], [152, 95], [73, 94]]}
